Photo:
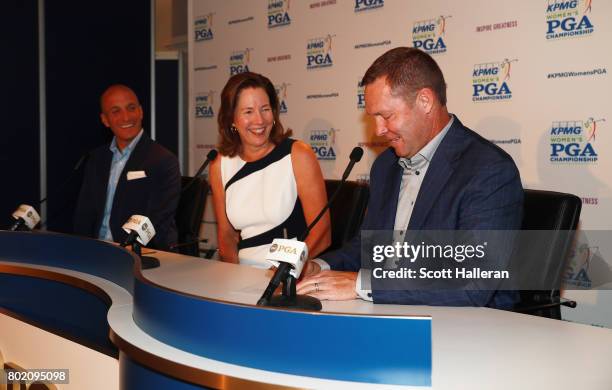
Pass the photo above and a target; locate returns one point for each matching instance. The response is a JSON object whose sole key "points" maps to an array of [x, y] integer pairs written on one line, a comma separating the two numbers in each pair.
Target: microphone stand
{"points": [[289, 298], [146, 262], [209, 157]]}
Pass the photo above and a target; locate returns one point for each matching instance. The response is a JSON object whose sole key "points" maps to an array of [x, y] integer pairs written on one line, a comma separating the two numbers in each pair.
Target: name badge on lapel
{"points": [[134, 175]]}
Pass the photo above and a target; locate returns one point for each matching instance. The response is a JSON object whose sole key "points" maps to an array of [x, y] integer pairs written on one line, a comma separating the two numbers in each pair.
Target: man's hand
{"points": [[310, 268], [329, 285]]}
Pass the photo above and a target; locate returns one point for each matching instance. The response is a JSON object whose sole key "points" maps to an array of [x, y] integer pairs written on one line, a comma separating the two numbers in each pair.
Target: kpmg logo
{"points": [[323, 143], [203, 28], [204, 105], [360, 96], [281, 92], [278, 13], [365, 5], [319, 52], [568, 19], [491, 81], [239, 61], [573, 141], [428, 35]]}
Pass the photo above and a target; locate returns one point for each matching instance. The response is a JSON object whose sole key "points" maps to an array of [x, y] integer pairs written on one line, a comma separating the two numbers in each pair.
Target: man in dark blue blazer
{"points": [[437, 175], [134, 175]]}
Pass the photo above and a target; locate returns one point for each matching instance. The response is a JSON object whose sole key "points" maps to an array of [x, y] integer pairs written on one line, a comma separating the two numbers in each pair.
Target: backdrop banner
{"points": [[531, 76]]}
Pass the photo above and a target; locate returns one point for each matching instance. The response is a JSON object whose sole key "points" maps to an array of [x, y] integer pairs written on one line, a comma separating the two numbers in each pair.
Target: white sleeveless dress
{"points": [[261, 201]]}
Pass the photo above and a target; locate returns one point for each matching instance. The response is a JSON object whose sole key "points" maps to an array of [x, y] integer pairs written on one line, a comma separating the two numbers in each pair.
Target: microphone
{"points": [[26, 218], [289, 269], [70, 177], [355, 157], [289, 257], [140, 231], [209, 157], [61, 188]]}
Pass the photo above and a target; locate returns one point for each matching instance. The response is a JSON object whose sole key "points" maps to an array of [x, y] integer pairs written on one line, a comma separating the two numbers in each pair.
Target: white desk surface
{"points": [[476, 348]]}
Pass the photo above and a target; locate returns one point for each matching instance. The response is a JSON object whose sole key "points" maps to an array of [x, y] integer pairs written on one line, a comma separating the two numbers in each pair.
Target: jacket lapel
{"points": [[442, 167], [134, 163], [103, 172], [393, 180]]}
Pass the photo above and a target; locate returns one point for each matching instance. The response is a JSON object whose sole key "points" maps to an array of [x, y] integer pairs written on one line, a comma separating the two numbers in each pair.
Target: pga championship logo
{"points": [[203, 28], [365, 5], [360, 96], [574, 141], [204, 105], [428, 35], [323, 143], [278, 13], [281, 92], [491, 81], [239, 61], [568, 19], [319, 52]]}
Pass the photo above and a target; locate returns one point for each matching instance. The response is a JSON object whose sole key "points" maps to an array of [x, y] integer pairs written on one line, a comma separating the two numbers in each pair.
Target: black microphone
{"points": [[26, 218], [61, 188], [70, 177], [209, 157], [355, 157], [283, 268], [140, 231]]}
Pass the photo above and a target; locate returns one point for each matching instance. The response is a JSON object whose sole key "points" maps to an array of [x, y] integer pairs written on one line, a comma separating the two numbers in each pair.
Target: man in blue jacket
{"points": [[132, 175], [436, 175]]}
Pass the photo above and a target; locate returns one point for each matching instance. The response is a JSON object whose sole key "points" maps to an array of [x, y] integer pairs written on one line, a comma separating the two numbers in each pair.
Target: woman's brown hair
{"points": [[229, 140]]}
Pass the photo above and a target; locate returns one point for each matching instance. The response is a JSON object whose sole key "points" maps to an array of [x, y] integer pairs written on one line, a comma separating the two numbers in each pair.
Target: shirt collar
{"points": [[128, 149], [425, 155]]}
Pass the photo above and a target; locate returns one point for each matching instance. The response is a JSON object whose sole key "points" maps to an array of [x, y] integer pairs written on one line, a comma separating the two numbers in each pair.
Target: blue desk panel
{"points": [[383, 349], [389, 350], [85, 255]]}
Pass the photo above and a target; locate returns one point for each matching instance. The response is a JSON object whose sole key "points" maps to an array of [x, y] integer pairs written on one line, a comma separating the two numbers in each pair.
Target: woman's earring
{"points": [[233, 128]]}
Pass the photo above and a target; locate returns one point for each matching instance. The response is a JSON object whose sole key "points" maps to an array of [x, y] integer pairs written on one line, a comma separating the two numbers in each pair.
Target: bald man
{"points": [[132, 175]]}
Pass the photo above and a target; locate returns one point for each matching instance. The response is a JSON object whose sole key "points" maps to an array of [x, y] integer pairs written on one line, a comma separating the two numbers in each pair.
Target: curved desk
{"points": [[192, 323]]}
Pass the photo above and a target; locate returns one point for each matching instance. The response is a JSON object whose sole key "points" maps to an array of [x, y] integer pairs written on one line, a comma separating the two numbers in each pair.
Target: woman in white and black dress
{"points": [[265, 183]]}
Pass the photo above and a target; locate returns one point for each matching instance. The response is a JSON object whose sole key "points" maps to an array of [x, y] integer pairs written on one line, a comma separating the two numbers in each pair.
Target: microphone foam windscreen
{"points": [[356, 154], [212, 155]]}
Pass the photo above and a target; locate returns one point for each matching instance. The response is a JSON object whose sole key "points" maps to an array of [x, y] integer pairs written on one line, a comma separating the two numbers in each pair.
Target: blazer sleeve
{"points": [[163, 201]]}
